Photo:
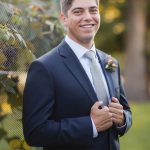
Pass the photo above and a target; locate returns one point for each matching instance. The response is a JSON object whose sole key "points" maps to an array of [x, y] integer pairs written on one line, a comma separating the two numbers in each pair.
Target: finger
{"points": [[115, 100], [105, 108], [117, 116], [107, 119], [118, 111], [117, 121], [115, 105]]}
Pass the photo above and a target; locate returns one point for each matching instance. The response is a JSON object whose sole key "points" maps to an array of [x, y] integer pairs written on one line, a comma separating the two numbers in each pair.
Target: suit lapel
{"points": [[72, 63]]}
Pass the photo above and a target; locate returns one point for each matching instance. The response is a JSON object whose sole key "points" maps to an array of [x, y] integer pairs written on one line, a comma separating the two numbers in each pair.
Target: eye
{"points": [[94, 11], [77, 12]]}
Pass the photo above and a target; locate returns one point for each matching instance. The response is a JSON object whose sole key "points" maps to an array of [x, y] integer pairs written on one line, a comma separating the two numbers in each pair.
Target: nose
{"points": [[87, 16]]}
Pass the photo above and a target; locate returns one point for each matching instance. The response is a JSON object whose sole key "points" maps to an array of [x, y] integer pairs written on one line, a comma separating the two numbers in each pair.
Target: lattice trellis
{"points": [[27, 30]]}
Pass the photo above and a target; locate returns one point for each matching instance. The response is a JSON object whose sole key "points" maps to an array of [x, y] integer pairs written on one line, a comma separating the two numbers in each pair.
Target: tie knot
{"points": [[90, 55]]}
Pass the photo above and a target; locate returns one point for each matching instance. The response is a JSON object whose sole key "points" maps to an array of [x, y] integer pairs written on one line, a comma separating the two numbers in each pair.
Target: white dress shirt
{"points": [[79, 52]]}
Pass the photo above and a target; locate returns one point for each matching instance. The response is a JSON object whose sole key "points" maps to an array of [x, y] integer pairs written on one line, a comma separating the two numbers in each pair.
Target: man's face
{"points": [[82, 21]]}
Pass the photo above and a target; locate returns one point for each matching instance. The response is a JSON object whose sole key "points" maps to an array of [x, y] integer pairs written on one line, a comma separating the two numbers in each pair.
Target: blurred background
{"points": [[30, 28]]}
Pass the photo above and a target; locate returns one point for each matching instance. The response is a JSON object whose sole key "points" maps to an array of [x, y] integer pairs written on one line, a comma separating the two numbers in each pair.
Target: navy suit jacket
{"points": [[57, 100]]}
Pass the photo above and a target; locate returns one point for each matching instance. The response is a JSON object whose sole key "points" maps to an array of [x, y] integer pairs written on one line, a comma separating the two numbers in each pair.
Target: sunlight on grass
{"points": [[138, 136]]}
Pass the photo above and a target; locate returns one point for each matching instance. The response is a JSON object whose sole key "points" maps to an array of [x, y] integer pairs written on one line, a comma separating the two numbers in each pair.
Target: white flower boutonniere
{"points": [[110, 65]]}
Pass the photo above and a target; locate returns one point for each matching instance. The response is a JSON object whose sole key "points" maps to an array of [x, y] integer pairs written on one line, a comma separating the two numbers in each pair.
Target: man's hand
{"points": [[117, 112], [101, 117]]}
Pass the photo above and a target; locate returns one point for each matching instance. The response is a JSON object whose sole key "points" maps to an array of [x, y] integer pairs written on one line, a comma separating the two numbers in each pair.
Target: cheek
{"points": [[68, 24], [98, 20], [72, 24], [74, 21]]}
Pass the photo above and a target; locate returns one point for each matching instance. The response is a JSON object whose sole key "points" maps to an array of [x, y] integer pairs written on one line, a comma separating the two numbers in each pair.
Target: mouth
{"points": [[87, 25]]}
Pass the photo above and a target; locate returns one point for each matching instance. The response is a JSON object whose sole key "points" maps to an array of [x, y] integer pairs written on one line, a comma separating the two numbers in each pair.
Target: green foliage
{"points": [[13, 46], [24, 34], [33, 31], [7, 83], [27, 30]]}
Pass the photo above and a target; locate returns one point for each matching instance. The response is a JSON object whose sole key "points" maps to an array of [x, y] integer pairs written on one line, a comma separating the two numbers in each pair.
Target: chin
{"points": [[88, 39]]}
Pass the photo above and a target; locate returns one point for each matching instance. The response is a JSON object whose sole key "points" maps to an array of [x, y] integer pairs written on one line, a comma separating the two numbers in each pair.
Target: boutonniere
{"points": [[110, 64]]}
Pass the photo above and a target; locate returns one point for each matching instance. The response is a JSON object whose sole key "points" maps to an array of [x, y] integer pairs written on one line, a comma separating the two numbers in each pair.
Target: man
{"points": [[72, 101]]}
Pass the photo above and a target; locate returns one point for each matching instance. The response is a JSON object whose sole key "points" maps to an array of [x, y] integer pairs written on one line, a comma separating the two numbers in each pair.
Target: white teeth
{"points": [[87, 26]]}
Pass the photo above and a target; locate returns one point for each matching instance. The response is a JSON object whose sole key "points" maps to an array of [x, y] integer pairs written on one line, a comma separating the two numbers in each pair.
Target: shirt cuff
{"points": [[95, 133], [120, 127]]}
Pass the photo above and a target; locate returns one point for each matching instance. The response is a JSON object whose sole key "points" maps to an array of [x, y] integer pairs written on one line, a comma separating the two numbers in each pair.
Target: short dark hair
{"points": [[66, 5]]}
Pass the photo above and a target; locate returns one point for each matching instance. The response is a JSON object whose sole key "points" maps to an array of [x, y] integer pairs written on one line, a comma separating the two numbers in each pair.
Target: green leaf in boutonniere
{"points": [[110, 65]]}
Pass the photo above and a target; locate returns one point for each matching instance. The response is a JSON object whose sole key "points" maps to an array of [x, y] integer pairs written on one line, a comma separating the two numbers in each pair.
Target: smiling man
{"points": [[73, 97], [82, 21]]}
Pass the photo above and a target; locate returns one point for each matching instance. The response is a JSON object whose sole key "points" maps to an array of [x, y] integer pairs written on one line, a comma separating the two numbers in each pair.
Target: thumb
{"points": [[98, 105]]}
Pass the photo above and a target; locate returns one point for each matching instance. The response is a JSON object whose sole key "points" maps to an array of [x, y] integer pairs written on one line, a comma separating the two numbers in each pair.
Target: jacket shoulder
{"points": [[52, 56]]}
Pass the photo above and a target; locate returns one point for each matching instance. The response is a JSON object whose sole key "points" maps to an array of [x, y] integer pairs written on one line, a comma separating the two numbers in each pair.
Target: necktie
{"points": [[98, 82]]}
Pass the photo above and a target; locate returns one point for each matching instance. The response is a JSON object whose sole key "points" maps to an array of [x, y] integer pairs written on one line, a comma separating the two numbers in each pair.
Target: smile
{"points": [[87, 26]]}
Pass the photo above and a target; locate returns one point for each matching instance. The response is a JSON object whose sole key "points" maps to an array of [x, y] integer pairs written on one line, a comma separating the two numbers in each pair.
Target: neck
{"points": [[86, 43]]}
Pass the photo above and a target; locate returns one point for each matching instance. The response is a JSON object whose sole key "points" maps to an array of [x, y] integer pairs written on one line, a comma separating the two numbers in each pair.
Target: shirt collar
{"points": [[78, 49]]}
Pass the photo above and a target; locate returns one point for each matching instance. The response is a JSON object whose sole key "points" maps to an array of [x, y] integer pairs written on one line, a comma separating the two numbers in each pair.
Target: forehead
{"points": [[83, 4]]}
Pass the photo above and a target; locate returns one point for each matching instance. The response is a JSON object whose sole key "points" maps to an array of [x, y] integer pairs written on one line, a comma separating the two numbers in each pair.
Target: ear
{"points": [[63, 19]]}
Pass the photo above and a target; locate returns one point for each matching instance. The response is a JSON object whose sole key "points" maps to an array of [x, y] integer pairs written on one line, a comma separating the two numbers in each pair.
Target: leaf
{"points": [[4, 35], [9, 85], [3, 75], [2, 57], [53, 19], [20, 40], [1, 119], [4, 14], [30, 32], [3, 133], [29, 56], [16, 19], [36, 25], [15, 101], [12, 39]]}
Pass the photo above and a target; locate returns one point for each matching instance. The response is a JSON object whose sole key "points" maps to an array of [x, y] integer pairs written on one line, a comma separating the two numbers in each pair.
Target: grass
{"points": [[138, 137]]}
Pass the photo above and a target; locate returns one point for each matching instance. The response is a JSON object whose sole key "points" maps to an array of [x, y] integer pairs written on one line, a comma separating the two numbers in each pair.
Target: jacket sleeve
{"points": [[38, 106], [127, 111]]}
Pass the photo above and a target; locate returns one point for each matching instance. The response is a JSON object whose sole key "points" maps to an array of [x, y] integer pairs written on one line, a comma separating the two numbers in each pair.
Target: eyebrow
{"points": [[77, 8], [92, 7]]}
